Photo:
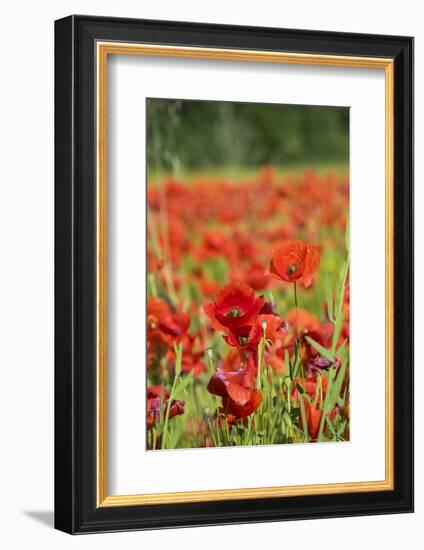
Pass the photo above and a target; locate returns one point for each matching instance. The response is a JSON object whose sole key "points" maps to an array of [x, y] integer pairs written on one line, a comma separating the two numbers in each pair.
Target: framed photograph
{"points": [[234, 274]]}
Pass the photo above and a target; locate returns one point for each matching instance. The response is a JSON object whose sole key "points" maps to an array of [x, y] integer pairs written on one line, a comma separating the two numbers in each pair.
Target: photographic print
{"points": [[213, 185], [248, 274]]}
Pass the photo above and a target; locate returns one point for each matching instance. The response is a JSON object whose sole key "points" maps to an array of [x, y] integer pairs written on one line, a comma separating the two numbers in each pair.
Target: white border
{"points": [[131, 469]]}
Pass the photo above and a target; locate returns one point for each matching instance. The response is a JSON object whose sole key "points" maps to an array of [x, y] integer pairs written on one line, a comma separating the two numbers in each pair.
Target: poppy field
{"points": [[247, 307]]}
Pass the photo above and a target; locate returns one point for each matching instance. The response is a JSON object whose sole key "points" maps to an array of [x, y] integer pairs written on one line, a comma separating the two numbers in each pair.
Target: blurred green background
{"points": [[189, 135]]}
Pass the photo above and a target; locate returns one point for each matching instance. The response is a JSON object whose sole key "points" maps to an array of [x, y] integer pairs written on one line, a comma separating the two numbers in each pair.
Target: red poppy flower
{"points": [[248, 337], [313, 418], [313, 411], [156, 394], [236, 385], [157, 391], [163, 328], [243, 411], [161, 318], [295, 261], [267, 309], [319, 364], [309, 325], [306, 321], [256, 277], [216, 244], [231, 361], [247, 249], [240, 397], [274, 325], [235, 306]]}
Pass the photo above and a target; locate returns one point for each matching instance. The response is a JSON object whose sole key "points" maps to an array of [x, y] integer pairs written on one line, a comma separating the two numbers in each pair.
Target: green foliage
{"points": [[191, 134]]}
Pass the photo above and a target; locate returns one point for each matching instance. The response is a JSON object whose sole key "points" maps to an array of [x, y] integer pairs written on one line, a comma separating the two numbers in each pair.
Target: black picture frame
{"points": [[75, 275]]}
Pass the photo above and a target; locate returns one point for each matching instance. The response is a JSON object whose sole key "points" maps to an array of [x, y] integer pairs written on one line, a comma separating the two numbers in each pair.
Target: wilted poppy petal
{"points": [[176, 408], [157, 391]]}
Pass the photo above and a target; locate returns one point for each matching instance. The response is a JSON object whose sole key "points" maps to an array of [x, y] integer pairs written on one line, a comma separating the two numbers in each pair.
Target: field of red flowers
{"points": [[248, 309]]}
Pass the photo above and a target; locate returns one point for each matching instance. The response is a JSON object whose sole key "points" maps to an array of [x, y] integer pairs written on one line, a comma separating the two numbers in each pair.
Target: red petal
{"points": [[217, 384], [156, 391], [238, 394], [242, 411], [306, 280], [312, 260], [311, 265], [313, 416], [273, 324], [234, 294], [288, 254], [210, 309]]}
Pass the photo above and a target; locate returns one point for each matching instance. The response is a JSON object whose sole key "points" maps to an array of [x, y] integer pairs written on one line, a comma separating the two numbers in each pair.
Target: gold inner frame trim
{"points": [[103, 50]]}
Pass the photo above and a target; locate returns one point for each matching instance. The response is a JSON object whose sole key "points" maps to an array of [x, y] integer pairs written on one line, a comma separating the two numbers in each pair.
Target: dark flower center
{"points": [[291, 269], [234, 312], [242, 340]]}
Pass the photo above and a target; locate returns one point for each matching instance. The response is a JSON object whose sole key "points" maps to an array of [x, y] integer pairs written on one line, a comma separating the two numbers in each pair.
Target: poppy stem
{"points": [[261, 354], [249, 428], [209, 353], [178, 358], [297, 339], [194, 411], [318, 390], [297, 308], [210, 426]]}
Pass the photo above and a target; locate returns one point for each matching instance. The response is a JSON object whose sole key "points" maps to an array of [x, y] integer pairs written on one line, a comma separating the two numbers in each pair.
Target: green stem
{"points": [[303, 417], [178, 360], [325, 406], [193, 414], [168, 408], [289, 390], [297, 339], [249, 428], [340, 311], [152, 284], [260, 359], [211, 429], [295, 303]]}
